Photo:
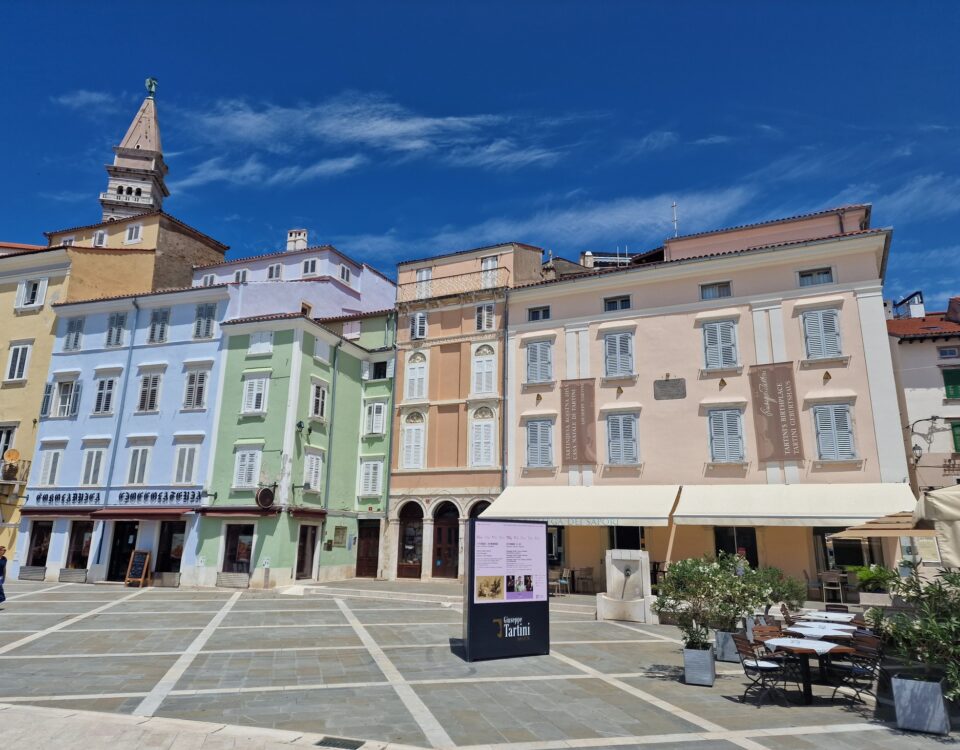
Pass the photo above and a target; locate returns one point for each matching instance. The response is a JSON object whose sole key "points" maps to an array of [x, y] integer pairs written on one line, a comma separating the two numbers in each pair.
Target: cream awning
{"points": [[789, 504], [604, 505], [893, 526]]}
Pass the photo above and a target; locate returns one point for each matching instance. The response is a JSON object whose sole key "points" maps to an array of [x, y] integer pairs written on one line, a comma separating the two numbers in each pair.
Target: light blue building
{"points": [[124, 436]]}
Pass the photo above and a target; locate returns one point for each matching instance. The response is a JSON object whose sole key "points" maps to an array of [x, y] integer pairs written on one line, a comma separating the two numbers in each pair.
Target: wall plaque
{"points": [[775, 415], [578, 426], [668, 389]]}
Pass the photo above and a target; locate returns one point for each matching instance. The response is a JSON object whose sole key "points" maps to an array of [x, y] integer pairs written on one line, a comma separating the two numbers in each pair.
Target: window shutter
{"points": [[413, 447], [951, 383], [615, 438], [476, 444], [418, 325], [379, 414], [391, 367], [190, 396], [834, 432], [822, 333], [844, 429], [21, 294], [726, 439], [618, 353], [41, 292], [47, 398], [365, 370], [75, 399], [539, 362], [728, 343], [248, 394], [240, 469], [479, 317], [629, 431], [831, 332], [200, 395], [539, 439], [711, 342], [734, 437]]}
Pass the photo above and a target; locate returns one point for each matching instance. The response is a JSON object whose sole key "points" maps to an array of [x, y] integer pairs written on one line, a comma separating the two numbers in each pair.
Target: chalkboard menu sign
{"points": [[138, 569]]}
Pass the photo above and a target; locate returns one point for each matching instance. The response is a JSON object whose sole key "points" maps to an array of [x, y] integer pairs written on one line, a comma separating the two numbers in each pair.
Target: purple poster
{"points": [[510, 562]]}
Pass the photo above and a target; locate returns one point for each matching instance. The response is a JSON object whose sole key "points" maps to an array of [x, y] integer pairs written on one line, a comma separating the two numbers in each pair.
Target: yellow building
{"points": [[127, 252]]}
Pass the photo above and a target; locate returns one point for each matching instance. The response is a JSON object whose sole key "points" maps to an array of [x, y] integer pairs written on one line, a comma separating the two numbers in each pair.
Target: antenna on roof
{"points": [[676, 221]]}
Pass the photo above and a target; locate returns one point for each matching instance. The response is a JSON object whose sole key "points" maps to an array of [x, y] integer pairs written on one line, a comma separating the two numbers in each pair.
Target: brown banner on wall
{"points": [[775, 414], [578, 425]]}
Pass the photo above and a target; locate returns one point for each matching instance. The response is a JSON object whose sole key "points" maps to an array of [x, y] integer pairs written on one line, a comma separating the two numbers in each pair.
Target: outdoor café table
{"points": [[821, 630], [805, 648], [828, 616]]}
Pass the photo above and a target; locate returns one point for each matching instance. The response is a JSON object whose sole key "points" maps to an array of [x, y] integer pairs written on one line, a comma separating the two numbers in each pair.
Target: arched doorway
{"points": [[410, 544], [478, 508], [446, 541]]}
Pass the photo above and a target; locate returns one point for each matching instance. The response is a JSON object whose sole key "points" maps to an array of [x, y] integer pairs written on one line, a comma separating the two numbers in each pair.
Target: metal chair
{"points": [[831, 580], [584, 580], [766, 672], [859, 671], [814, 588]]}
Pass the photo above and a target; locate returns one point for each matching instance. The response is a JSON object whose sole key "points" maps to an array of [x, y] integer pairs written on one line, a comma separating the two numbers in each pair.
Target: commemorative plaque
{"points": [[664, 390]]}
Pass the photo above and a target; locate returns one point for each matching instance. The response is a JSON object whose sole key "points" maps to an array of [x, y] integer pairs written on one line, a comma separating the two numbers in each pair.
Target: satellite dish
{"points": [[12, 455], [265, 497]]}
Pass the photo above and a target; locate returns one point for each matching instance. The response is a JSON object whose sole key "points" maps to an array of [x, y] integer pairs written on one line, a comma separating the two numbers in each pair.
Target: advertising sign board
{"points": [[506, 611]]}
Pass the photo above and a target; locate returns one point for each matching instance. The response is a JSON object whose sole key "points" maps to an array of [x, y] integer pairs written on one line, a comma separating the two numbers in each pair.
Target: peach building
{"points": [[449, 401], [732, 390]]}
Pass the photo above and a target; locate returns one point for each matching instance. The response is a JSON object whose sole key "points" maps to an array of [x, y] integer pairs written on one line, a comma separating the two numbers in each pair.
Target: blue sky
{"points": [[400, 129]]}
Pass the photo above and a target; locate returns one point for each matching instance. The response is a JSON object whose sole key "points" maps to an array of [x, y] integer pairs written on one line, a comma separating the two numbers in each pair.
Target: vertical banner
{"points": [[776, 418], [578, 422], [506, 611]]}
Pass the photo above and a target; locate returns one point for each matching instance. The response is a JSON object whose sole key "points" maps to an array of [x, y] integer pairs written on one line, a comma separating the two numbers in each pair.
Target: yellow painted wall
{"points": [[116, 234], [102, 273], [789, 548]]}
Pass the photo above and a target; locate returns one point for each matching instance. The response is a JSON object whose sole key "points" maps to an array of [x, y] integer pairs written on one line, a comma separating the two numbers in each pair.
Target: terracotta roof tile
{"points": [[19, 247], [470, 250], [355, 316], [824, 212], [931, 325], [108, 298], [155, 212]]}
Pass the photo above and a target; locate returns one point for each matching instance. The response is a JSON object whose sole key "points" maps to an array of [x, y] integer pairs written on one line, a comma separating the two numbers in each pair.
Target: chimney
{"points": [[586, 259], [296, 239], [917, 308], [953, 310]]}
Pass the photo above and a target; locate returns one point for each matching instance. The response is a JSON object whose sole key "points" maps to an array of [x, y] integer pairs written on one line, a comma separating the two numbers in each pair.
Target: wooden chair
{"points": [[765, 672], [831, 580], [836, 608], [787, 619], [859, 671], [814, 587], [553, 581], [584, 581], [763, 633]]}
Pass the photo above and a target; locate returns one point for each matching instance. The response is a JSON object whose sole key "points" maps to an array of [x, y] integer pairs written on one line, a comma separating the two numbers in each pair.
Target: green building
{"points": [[298, 482]]}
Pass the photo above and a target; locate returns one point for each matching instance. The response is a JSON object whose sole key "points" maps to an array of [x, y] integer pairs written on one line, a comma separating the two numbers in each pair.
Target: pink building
{"points": [[732, 390]]}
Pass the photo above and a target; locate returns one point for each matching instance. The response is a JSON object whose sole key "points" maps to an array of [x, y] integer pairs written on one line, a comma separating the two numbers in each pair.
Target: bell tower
{"points": [[135, 182]]}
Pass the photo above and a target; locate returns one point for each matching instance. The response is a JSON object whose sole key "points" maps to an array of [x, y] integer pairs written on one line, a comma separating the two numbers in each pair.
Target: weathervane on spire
{"points": [[151, 84]]}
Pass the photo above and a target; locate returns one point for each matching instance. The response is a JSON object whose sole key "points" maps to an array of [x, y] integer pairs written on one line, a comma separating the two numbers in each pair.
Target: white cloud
{"points": [[658, 140], [67, 196], [502, 154], [83, 99], [254, 171], [323, 168], [926, 196], [713, 140]]}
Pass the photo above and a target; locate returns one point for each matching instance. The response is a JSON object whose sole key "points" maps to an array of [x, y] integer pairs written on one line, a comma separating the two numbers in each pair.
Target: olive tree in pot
{"points": [[875, 583], [738, 592], [687, 593], [927, 637]]}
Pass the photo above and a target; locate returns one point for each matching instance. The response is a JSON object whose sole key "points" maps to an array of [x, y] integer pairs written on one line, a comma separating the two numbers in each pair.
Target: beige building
{"points": [[448, 417]]}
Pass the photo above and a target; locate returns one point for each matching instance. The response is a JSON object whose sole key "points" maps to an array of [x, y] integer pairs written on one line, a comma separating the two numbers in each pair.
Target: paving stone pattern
{"points": [[297, 663]]}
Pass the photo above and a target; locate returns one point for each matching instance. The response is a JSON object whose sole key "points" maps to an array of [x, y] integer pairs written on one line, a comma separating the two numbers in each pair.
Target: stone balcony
{"points": [[445, 286], [145, 200]]}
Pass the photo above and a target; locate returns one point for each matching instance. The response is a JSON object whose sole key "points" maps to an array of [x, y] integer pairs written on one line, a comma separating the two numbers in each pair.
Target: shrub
{"points": [[776, 587], [874, 578], [687, 592]]}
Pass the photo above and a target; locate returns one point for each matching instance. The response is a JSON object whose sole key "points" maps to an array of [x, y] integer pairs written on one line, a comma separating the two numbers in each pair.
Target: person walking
{"points": [[3, 572]]}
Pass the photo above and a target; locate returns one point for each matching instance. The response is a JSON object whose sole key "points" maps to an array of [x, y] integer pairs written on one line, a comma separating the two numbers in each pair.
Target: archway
{"points": [[446, 541], [410, 543], [478, 508]]}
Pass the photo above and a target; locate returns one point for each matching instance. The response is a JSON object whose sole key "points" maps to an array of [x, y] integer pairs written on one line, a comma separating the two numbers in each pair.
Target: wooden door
{"points": [[446, 547], [306, 546], [124, 542], [368, 549]]}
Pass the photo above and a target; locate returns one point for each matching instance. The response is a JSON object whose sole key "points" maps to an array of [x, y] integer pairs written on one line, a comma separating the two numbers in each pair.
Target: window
{"points": [[312, 472], [318, 401], [149, 392], [715, 291], [195, 389], [186, 464], [139, 460], [240, 277], [612, 304], [115, 325], [417, 376], [321, 349], [726, 435], [484, 370], [954, 427], [816, 276], [834, 432], [423, 282], [622, 439], [17, 362], [381, 370], [539, 362], [344, 274], [50, 466], [274, 272], [482, 440], [207, 279], [133, 233], [374, 422], [618, 354], [255, 394], [68, 241], [103, 403], [246, 470], [310, 267], [92, 465], [948, 352], [339, 536], [351, 329], [413, 440], [485, 317], [720, 344], [538, 313], [159, 321], [30, 294], [60, 399], [203, 322], [261, 342], [238, 547], [78, 551], [418, 325], [100, 238], [488, 272], [71, 342], [539, 443], [951, 383], [821, 331], [371, 477], [7, 434]]}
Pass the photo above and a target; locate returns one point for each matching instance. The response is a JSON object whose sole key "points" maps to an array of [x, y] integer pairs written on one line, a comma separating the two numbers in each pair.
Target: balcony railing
{"points": [[14, 472], [443, 286], [125, 198], [951, 466]]}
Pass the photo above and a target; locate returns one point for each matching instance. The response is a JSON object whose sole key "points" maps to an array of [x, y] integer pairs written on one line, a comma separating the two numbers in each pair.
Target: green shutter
{"points": [[951, 382], [956, 436]]}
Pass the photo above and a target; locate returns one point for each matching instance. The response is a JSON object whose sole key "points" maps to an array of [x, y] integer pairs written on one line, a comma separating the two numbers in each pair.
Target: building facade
{"points": [[926, 359], [729, 391], [448, 419]]}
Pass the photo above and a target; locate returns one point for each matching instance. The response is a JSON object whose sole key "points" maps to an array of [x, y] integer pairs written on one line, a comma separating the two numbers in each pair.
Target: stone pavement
{"points": [[370, 660]]}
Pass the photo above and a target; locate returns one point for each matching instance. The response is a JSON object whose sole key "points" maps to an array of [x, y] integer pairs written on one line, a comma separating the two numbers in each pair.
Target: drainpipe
{"points": [[120, 412], [503, 394], [388, 471], [333, 410]]}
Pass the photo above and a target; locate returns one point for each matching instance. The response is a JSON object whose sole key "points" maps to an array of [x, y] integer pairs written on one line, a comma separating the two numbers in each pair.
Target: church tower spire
{"points": [[136, 177]]}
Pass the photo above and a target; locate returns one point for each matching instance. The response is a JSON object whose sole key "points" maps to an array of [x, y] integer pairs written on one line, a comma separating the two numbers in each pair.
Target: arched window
{"points": [[484, 412], [416, 376], [129, 191], [482, 437], [410, 555], [138, 191], [484, 370], [119, 189], [414, 435], [478, 508]]}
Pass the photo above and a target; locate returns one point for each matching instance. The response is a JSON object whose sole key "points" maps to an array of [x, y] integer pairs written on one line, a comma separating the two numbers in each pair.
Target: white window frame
{"points": [[309, 268], [20, 353], [718, 355], [250, 392], [424, 282], [536, 314], [204, 321], [104, 396], [275, 272], [319, 398], [623, 450], [815, 322], [8, 436], [114, 335], [948, 352], [321, 350], [68, 241], [830, 436], [419, 393], [261, 344], [371, 486], [240, 275], [51, 461], [254, 455], [539, 456], [65, 404], [617, 300], [488, 271], [207, 279], [93, 457], [716, 285], [21, 304], [485, 317], [484, 371], [100, 238], [197, 389], [540, 361], [138, 465], [729, 448], [407, 431], [73, 334], [149, 382], [159, 327], [479, 425], [375, 417], [620, 364], [346, 275], [811, 273], [419, 326], [133, 234], [313, 461], [184, 469]]}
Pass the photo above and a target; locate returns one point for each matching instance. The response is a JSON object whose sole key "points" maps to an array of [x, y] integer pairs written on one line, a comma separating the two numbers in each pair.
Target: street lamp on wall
{"points": [[917, 453]]}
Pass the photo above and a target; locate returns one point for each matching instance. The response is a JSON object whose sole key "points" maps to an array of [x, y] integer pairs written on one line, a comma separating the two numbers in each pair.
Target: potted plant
{"points": [[687, 594], [738, 592], [928, 637], [874, 583]]}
